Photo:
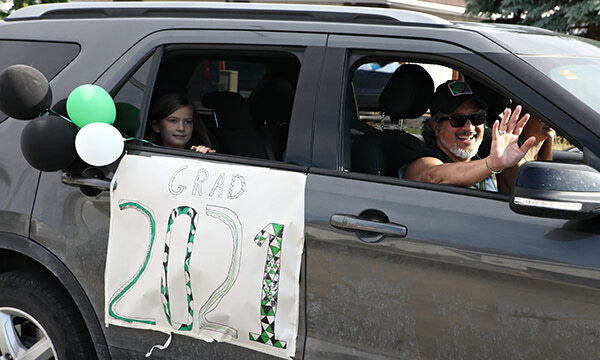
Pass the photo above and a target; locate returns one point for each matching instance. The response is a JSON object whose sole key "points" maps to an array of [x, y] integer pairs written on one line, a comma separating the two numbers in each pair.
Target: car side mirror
{"points": [[556, 190]]}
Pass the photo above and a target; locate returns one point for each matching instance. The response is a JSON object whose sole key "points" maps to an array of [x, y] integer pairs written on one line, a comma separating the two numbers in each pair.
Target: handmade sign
{"points": [[206, 250]]}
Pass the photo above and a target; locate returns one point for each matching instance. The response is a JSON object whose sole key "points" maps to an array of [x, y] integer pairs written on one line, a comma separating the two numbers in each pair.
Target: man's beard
{"points": [[459, 152]]}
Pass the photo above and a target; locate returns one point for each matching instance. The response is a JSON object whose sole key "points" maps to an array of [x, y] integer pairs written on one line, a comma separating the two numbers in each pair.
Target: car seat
{"points": [[407, 94], [235, 133], [271, 110]]}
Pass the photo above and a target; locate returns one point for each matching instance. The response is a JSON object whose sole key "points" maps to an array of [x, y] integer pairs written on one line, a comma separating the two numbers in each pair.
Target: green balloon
{"points": [[89, 104]]}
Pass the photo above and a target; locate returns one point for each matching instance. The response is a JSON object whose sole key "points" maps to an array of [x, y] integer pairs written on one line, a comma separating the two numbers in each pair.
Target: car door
{"points": [[73, 216], [400, 269]]}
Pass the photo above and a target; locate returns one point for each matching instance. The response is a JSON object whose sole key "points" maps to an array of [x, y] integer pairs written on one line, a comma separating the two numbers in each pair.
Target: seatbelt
{"points": [[267, 144]]}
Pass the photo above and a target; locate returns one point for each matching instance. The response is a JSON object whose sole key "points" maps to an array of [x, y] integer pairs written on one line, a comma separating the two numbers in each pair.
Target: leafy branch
{"points": [[578, 17]]}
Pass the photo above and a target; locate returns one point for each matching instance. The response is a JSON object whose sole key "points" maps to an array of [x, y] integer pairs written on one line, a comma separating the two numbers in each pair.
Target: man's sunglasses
{"points": [[459, 120]]}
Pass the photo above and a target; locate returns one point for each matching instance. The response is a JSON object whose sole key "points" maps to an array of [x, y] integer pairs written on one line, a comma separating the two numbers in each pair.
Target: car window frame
{"points": [[341, 49], [301, 121]]}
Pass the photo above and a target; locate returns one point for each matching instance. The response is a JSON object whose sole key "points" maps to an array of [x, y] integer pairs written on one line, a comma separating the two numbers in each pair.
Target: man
{"points": [[453, 135]]}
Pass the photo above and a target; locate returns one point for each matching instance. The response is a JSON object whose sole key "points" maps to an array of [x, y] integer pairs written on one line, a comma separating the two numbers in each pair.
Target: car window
{"points": [[390, 108], [47, 57], [242, 100], [384, 134], [133, 90], [370, 79], [129, 100]]}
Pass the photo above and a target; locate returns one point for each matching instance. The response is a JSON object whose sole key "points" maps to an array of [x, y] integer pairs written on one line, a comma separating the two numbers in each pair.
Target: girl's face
{"points": [[176, 129], [537, 128]]}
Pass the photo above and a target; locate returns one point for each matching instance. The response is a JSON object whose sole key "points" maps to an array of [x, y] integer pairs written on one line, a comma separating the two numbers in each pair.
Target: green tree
{"points": [[580, 17], [17, 4]]}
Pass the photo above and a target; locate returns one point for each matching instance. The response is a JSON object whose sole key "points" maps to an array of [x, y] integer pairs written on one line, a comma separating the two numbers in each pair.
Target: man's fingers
{"points": [[504, 119], [495, 127], [521, 124], [527, 145], [512, 122]]}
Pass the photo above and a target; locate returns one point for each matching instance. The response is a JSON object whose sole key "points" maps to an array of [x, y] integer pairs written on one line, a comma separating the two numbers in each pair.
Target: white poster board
{"points": [[206, 250]]}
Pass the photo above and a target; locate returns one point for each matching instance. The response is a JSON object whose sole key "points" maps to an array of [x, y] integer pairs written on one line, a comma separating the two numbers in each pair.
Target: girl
{"points": [[174, 123]]}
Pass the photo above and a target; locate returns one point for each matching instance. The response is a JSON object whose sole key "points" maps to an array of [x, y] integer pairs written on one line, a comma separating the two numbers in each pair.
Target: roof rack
{"points": [[263, 11]]}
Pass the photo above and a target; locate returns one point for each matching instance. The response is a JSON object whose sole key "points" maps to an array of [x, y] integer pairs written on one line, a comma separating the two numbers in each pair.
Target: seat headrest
{"points": [[271, 103], [231, 109], [407, 93]]}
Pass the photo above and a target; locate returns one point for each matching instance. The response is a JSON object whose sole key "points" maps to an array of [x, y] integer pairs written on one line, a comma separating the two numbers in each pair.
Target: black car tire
{"points": [[38, 308]]}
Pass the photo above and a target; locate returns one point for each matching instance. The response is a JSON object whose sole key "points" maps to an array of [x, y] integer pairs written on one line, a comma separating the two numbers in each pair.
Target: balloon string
{"points": [[142, 140], [69, 120], [57, 114]]}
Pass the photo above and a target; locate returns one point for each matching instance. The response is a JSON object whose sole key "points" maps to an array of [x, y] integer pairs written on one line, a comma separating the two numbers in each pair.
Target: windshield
{"points": [[573, 62], [578, 75], [570, 61]]}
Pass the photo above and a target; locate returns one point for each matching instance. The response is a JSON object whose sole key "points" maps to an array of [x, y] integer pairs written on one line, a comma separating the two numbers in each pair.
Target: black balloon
{"points": [[24, 92], [48, 143]]}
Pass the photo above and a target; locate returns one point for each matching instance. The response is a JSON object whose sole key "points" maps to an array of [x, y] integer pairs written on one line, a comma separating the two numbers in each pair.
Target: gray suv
{"points": [[311, 117]]}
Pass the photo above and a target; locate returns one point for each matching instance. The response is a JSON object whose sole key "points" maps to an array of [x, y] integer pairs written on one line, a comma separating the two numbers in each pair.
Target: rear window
{"points": [[48, 57]]}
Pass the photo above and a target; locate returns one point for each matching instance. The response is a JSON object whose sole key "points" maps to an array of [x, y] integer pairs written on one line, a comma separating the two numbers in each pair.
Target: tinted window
{"points": [[129, 100], [225, 75], [133, 90], [48, 57], [243, 99], [385, 130]]}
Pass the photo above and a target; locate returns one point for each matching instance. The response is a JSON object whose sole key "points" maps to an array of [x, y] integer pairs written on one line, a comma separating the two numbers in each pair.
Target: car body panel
{"points": [[18, 181], [471, 278]]}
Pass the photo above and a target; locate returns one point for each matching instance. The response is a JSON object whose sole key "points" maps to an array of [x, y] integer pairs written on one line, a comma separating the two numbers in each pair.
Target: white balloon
{"points": [[99, 144]]}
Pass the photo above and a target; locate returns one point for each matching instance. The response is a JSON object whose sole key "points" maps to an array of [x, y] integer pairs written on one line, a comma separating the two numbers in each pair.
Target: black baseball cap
{"points": [[450, 95]]}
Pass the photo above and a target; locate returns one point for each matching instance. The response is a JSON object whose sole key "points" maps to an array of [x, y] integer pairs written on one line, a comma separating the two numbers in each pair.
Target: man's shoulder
{"points": [[434, 153], [422, 160]]}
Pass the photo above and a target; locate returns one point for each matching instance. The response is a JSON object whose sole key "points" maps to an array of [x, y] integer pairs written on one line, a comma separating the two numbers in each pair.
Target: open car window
{"points": [[385, 134], [242, 100]]}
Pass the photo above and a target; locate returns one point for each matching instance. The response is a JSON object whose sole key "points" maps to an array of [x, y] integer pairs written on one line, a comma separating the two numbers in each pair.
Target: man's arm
{"points": [[433, 170]]}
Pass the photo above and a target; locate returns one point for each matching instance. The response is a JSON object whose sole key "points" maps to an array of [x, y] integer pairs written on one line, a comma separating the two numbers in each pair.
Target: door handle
{"points": [[353, 223], [96, 183]]}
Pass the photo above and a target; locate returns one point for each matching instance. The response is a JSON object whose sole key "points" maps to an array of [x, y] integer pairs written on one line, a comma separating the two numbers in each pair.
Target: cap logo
{"points": [[458, 88]]}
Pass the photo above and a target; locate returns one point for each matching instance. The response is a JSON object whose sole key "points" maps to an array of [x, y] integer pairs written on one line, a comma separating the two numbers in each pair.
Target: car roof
{"points": [[312, 12], [516, 39], [299, 11]]}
